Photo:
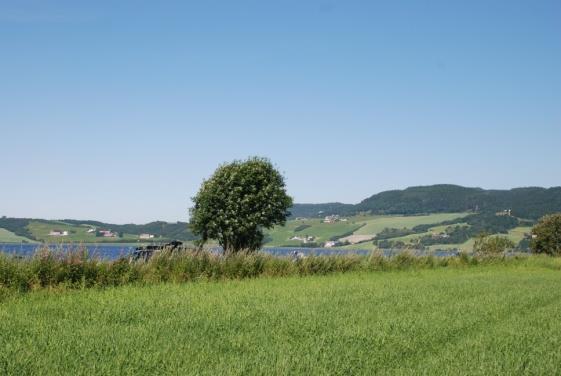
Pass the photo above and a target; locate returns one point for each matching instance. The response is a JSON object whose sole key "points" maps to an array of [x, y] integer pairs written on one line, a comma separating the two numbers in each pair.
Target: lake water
{"points": [[113, 252]]}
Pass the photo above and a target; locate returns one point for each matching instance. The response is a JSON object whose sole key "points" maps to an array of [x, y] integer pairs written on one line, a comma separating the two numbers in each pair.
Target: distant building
{"points": [[91, 231], [330, 244], [58, 233], [331, 219], [304, 239], [107, 234], [504, 213], [146, 236]]}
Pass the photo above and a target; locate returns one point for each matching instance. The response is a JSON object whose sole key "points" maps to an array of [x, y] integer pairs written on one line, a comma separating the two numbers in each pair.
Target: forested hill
{"points": [[530, 203]]}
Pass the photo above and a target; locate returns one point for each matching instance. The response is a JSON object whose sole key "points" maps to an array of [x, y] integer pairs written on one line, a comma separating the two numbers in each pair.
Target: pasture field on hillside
{"points": [[359, 225], [377, 224], [480, 320], [9, 237], [280, 235], [516, 235], [41, 230]]}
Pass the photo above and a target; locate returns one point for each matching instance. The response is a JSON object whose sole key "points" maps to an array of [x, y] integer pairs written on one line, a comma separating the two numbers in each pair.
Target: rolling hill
{"points": [[382, 211], [531, 203], [29, 229]]}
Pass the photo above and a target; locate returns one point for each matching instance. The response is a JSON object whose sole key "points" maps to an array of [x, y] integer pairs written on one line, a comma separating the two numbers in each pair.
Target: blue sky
{"points": [[118, 110]]}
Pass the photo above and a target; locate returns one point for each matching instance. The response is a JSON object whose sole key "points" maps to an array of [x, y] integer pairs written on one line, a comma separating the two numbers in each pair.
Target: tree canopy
{"points": [[238, 201], [546, 235]]}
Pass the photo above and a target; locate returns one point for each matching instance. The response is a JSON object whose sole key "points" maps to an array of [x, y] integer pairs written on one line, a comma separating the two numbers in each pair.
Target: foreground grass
{"points": [[494, 319]]}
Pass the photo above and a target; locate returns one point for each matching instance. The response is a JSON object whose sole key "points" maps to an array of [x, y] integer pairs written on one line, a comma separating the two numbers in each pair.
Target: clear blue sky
{"points": [[117, 110]]}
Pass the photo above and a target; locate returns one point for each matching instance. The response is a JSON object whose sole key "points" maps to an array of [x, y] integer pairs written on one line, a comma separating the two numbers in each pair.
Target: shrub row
{"points": [[74, 269]]}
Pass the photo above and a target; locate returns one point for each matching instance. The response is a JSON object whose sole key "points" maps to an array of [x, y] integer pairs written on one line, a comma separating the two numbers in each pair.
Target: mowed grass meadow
{"points": [[498, 318]]}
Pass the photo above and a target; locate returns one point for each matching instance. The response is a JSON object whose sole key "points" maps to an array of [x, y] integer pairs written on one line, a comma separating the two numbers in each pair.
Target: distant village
{"points": [[98, 233], [311, 240], [334, 219]]}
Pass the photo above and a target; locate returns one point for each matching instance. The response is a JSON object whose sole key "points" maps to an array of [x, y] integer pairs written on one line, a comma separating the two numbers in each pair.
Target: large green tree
{"points": [[546, 235], [240, 200]]}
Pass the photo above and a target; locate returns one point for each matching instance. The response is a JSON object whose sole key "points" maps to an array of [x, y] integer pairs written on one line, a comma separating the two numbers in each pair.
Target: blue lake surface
{"points": [[115, 251]]}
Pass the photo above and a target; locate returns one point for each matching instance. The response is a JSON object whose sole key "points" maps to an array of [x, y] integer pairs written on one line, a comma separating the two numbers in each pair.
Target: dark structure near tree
{"points": [[145, 253]]}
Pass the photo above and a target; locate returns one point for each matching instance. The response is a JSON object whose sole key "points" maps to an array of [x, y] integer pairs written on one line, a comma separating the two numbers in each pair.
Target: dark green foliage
{"points": [[481, 222], [525, 202], [301, 228], [348, 233], [390, 244], [341, 236], [240, 200], [430, 199], [547, 235], [490, 223], [16, 225], [389, 233], [531, 203], [455, 233]]}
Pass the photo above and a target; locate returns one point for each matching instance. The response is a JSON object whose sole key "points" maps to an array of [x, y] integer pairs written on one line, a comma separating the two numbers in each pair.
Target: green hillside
{"points": [[76, 233], [358, 225], [379, 223], [322, 232], [39, 230], [530, 203], [9, 237]]}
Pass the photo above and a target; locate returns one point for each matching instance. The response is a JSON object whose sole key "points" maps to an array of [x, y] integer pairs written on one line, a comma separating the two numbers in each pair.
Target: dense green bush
{"points": [[491, 244], [546, 235], [238, 201]]}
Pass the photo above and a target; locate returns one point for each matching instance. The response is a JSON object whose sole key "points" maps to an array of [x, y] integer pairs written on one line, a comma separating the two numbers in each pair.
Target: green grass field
{"points": [[360, 225], [375, 225], [280, 235], [480, 320], [9, 237], [516, 235]]}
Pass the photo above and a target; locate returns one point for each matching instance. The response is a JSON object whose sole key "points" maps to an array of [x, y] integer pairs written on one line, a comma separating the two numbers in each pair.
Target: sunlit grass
{"points": [[494, 319]]}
